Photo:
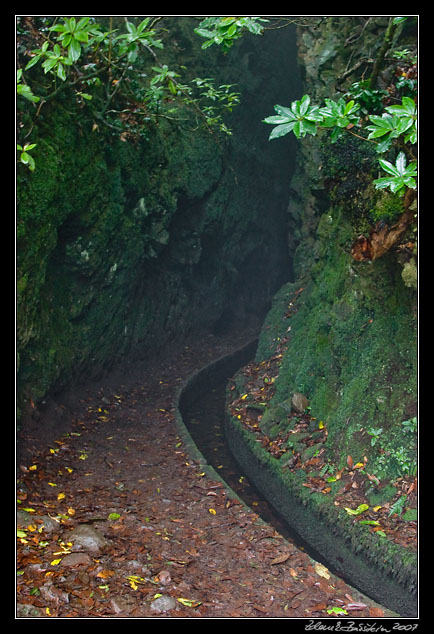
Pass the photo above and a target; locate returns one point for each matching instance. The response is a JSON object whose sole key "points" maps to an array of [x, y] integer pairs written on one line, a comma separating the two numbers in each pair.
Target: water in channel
{"points": [[204, 419]]}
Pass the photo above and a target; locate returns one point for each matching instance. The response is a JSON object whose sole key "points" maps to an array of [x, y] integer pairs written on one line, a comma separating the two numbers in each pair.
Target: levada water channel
{"points": [[202, 407], [201, 414]]}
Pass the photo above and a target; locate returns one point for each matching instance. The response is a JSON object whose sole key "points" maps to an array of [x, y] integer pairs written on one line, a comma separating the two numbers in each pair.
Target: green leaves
{"points": [[25, 157], [73, 34], [24, 90], [54, 60], [396, 121], [401, 175], [137, 35], [338, 115], [300, 118], [223, 31]]}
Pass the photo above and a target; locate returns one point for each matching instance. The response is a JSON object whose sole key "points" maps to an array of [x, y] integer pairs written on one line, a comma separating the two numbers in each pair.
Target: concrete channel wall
{"points": [[370, 580]]}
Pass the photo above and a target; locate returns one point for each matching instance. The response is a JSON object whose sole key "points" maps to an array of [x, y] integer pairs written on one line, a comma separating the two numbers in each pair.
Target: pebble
{"points": [[77, 559], [87, 538], [163, 604]]}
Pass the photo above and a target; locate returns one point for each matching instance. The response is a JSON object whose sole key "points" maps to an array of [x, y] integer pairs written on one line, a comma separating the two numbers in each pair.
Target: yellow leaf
{"points": [[52, 484], [55, 562], [360, 509], [33, 467], [190, 603], [134, 581], [321, 425], [105, 574], [61, 496], [212, 511], [322, 571], [244, 396], [71, 511], [376, 508]]}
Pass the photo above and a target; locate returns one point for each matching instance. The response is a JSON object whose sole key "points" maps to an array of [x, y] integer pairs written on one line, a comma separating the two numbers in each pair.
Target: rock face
{"points": [[123, 247], [351, 325]]}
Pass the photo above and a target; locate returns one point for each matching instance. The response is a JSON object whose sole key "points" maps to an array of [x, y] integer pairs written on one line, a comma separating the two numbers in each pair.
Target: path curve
{"points": [[173, 542]]}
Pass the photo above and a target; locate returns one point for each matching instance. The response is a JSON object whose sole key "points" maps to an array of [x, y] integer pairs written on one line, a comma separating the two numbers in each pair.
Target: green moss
{"points": [[320, 522], [388, 207], [352, 346]]}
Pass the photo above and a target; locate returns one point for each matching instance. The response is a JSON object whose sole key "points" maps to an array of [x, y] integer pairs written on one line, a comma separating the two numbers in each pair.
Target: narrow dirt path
{"points": [[117, 521]]}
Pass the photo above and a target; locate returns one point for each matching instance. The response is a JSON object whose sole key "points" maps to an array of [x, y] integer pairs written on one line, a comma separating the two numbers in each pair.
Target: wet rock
{"points": [[87, 538], [53, 595], [76, 559], [121, 604], [163, 604], [299, 402], [25, 611], [45, 521]]}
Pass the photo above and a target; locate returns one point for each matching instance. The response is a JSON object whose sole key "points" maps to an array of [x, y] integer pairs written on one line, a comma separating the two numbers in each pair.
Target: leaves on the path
{"points": [[322, 571], [280, 559], [190, 603], [169, 531]]}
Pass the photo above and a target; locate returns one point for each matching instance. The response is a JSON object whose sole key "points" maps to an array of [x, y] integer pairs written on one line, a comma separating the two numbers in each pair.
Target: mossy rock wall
{"points": [[124, 246], [351, 348], [384, 571], [352, 340]]}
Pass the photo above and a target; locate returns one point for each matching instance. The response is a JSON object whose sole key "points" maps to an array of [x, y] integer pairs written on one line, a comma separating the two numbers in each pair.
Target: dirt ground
{"points": [[157, 537]]}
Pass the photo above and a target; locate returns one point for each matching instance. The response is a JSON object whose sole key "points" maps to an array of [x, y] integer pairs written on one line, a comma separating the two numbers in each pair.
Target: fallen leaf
{"points": [[280, 559], [337, 611], [376, 612], [105, 574], [190, 603], [322, 571], [350, 462], [356, 606], [360, 509], [113, 516]]}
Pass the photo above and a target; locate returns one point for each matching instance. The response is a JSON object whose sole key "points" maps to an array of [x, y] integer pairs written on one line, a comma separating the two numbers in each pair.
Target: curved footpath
{"points": [[121, 517]]}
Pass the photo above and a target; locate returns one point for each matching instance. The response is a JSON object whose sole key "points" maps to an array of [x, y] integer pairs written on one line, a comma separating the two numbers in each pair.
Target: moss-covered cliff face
{"points": [[317, 419], [124, 246], [351, 334]]}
